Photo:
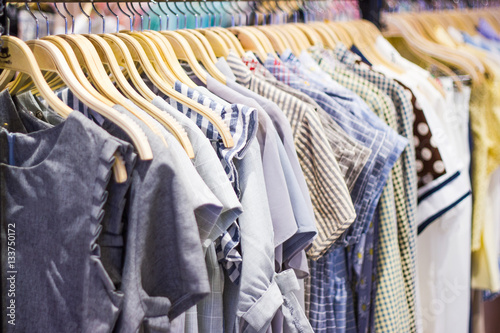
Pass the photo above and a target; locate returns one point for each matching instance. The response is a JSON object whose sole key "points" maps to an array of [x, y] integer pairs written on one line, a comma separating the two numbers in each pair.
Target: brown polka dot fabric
{"points": [[428, 159]]}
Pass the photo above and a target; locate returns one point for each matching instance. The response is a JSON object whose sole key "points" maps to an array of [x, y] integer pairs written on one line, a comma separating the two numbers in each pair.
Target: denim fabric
{"points": [[62, 258]]}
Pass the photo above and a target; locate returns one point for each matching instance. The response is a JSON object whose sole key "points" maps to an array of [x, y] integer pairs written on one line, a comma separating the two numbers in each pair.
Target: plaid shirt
{"points": [[389, 271], [351, 155], [405, 205], [360, 261], [332, 204]]}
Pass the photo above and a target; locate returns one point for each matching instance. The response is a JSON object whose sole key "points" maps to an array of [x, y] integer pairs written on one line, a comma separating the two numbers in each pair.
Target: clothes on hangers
{"points": [[344, 205]]}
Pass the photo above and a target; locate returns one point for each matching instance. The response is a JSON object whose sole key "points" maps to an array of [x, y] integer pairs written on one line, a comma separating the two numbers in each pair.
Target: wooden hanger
{"points": [[238, 48], [207, 58], [72, 61], [268, 46], [367, 46], [108, 57], [184, 52], [289, 41], [341, 33], [229, 42], [275, 38], [312, 36], [51, 59], [327, 38], [141, 57], [88, 55], [22, 59], [374, 33], [217, 43], [249, 41], [296, 34], [433, 50], [168, 53], [328, 30]]}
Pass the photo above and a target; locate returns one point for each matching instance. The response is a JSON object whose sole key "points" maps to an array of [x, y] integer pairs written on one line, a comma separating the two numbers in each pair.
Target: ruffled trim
{"points": [[100, 193], [228, 255]]}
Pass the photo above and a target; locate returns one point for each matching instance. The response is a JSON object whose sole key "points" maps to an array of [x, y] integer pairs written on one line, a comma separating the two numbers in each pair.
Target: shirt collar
{"points": [[241, 72], [282, 73], [257, 68], [343, 54]]}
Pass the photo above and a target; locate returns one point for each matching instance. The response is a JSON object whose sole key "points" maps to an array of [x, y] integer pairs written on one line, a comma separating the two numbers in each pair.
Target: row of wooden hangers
{"points": [[104, 70], [425, 38]]}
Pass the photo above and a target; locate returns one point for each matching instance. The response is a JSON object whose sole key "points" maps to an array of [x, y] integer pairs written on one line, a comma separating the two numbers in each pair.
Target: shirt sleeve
{"points": [[164, 271], [333, 207]]}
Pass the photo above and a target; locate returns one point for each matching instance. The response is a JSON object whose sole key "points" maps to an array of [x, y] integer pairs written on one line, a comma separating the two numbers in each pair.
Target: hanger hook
{"points": [[215, 12], [231, 4], [285, 14], [166, 14], [87, 16], [192, 13], [45, 17], [207, 12], [131, 19], [266, 13], [264, 10], [176, 15], [195, 13], [133, 11], [152, 11], [101, 16], [229, 13], [145, 13], [253, 10], [182, 13], [291, 9], [72, 18], [115, 15], [35, 18], [64, 17], [246, 15]]}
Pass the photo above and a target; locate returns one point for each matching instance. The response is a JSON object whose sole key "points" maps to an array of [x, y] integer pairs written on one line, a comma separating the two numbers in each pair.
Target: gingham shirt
{"points": [[332, 204], [405, 205], [360, 262], [388, 268], [358, 127], [351, 155]]}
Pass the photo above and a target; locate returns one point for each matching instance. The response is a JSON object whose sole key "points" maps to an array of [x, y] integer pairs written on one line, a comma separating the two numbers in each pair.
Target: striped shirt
{"points": [[242, 123], [332, 204]]}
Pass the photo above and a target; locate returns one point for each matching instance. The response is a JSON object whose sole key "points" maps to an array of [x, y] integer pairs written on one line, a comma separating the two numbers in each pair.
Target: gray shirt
{"points": [[62, 192], [167, 199], [208, 165], [280, 179]]}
